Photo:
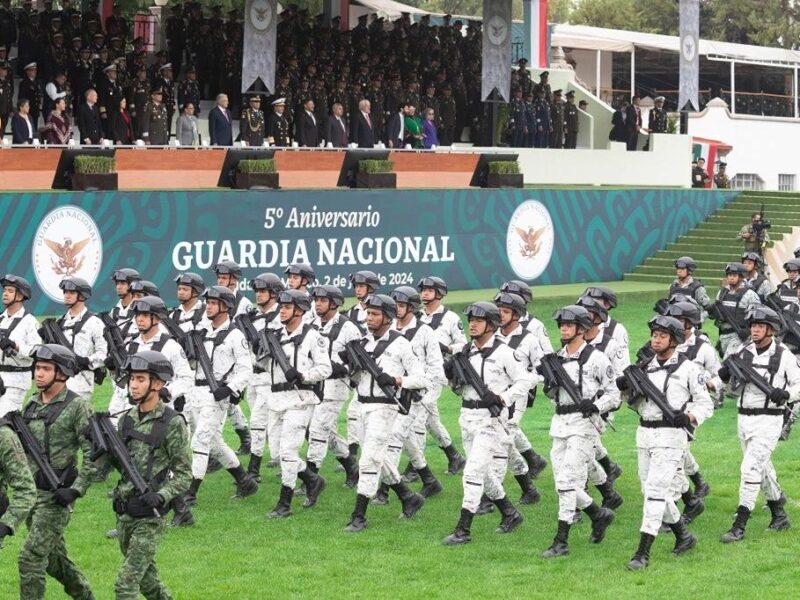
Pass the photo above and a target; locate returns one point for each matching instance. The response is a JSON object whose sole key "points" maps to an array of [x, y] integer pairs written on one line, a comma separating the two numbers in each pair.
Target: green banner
{"points": [[472, 238]]}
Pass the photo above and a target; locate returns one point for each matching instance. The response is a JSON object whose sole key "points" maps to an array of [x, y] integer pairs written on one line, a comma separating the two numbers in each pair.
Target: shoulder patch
{"points": [[610, 372], [321, 342], [460, 325]]}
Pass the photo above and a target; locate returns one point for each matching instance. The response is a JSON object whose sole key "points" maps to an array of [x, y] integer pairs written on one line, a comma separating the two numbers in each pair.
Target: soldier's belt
{"points": [[567, 409], [761, 411], [288, 387], [659, 424], [259, 370], [13, 369], [475, 404], [375, 400]]}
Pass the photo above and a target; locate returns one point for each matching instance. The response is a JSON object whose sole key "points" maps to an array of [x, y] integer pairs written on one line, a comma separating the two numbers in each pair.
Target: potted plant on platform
{"points": [[95, 173], [256, 173], [504, 173], [376, 174]]}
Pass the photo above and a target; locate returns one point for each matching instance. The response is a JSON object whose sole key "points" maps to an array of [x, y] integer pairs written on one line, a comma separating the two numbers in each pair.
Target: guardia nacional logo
{"points": [[67, 244], [529, 239]]}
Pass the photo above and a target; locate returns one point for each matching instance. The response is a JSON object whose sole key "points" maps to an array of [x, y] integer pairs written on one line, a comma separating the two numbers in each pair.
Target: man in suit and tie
{"points": [[338, 133], [88, 119], [22, 130], [633, 123], [396, 130], [361, 126], [306, 128], [220, 123]]}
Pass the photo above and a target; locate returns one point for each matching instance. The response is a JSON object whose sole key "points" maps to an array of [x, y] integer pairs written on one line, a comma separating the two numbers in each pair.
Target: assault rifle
{"points": [[116, 346], [788, 324], [32, 449], [52, 334], [721, 313], [788, 420], [743, 373], [186, 341], [359, 359], [552, 370], [105, 439], [464, 374], [641, 386], [202, 358], [8, 351], [245, 323]]}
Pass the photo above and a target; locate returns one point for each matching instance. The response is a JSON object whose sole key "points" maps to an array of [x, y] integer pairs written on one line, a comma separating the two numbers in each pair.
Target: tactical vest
{"points": [[582, 359], [335, 330], [197, 316], [6, 334], [515, 340], [688, 290], [772, 368], [732, 300], [436, 320], [157, 346], [154, 439], [49, 415], [75, 329], [756, 283], [376, 353]]}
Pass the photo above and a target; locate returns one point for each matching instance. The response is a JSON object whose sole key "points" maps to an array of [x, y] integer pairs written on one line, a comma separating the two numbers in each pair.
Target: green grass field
{"points": [[234, 552]]}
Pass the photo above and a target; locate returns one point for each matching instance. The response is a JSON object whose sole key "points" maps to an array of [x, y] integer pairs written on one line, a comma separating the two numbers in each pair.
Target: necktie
{"points": [[369, 122]]}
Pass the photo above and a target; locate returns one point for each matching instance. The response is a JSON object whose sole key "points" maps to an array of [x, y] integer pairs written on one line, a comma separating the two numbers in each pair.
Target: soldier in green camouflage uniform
{"points": [[58, 419], [155, 124], [15, 475], [158, 443]]}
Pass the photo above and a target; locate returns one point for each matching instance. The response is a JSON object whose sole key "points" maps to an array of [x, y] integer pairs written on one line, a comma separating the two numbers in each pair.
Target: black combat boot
{"points": [[601, 519], [455, 462], [612, 469], [244, 441], [693, 507], [780, 520], [412, 501], [430, 485], [511, 517], [685, 540], [245, 484], [736, 532], [536, 462], [358, 520], [314, 485], [353, 449], [409, 474], [701, 487], [461, 534], [559, 546], [381, 497], [611, 497], [254, 467], [530, 495], [283, 508], [486, 506], [351, 470], [191, 496], [273, 462], [641, 559], [213, 465], [183, 514]]}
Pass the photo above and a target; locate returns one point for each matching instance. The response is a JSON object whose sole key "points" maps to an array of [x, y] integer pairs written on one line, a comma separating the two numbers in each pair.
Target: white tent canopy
{"points": [[389, 9]]}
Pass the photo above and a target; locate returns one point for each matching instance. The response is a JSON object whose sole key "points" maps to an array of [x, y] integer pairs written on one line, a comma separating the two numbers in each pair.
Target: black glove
{"points": [[6, 344], [152, 499], [338, 370], [179, 403], [83, 363], [588, 408], [293, 375], [343, 356], [495, 403], [622, 383], [724, 374], [5, 530], [109, 363], [681, 420], [65, 496], [222, 392], [164, 394], [448, 368], [386, 380], [779, 396]]}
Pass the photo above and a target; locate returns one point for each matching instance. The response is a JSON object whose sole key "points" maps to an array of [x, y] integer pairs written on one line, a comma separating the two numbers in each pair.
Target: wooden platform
{"points": [[29, 169]]}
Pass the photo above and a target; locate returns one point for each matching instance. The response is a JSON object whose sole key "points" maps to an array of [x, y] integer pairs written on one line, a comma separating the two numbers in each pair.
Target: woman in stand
{"points": [[186, 130], [121, 124], [413, 128], [429, 137], [59, 128]]}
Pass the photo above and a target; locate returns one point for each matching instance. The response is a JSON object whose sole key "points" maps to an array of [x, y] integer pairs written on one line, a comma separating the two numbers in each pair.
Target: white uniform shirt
{"points": [[528, 351], [450, 332], [620, 334], [183, 379], [397, 360], [88, 342], [425, 345], [537, 328], [186, 318], [707, 358], [230, 360], [685, 391], [617, 356], [26, 335], [243, 306], [338, 389], [787, 377]]}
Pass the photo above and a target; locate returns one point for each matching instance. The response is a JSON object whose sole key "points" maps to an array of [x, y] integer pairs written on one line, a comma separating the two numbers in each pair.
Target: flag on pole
{"points": [[539, 35], [707, 150]]}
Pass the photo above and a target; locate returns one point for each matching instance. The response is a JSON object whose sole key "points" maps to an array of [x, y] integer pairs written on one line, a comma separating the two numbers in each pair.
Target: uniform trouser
{"points": [[600, 451], [661, 456], [486, 446], [690, 466], [402, 439], [758, 436], [322, 432], [258, 397], [520, 442], [541, 139], [571, 457], [287, 430], [236, 414], [431, 420], [138, 540], [207, 436], [11, 400], [45, 551], [571, 140], [378, 421], [355, 427]]}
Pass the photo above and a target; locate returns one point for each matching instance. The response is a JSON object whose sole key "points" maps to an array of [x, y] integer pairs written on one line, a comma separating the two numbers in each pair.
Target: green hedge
{"points": [[504, 167], [376, 166], [256, 166], [95, 165]]}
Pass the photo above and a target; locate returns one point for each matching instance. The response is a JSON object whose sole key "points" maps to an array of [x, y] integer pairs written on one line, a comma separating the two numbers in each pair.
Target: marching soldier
{"points": [[571, 122], [15, 475], [686, 284], [158, 442], [84, 331], [294, 395], [615, 329], [761, 419], [155, 128], [278, 125], [575, 426], [190, 315], [528, 321], [737, 297], [18, 337], [663, 440], [757, 281], [401, 369], [339, 330], [557, 121], [123, 278], [364, 283], [788, 289], [486, 441], [251, 126], [57, 418], [229, 274]]}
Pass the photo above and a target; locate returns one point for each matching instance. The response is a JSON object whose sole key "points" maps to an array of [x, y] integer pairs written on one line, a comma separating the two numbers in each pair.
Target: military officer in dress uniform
{"points": [[155, 129], [167, 85], [108, 93], [278, 126], [252, 125], [518, 121], [138, 94], [657, 121], [571, 122], [189, 90], [557, 121]]}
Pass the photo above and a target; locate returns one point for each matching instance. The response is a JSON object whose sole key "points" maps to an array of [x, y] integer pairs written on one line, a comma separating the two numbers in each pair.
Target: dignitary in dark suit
{"points": [[633, 123], [22, 128], [361, 132], [396, 129], [88, 118], [306, 128], [220, 127], [619, 131], [338, 132]]}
